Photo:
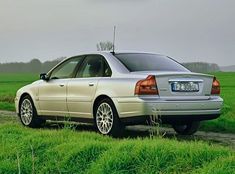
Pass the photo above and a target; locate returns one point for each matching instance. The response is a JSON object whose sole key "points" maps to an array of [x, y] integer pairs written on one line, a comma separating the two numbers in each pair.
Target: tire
{"points": [[28, 114], [187, 128], [106, 118]]}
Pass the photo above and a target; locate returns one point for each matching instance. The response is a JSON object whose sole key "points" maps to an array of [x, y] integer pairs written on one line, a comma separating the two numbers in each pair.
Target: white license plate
{"points": [[185, 86]]}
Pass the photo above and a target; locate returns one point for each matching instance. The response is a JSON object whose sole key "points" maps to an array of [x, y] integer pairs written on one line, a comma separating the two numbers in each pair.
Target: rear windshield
{"points": [[149, 62]]}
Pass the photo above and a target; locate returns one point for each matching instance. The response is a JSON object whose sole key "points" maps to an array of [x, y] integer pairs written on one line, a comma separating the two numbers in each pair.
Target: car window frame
{"points": [[63, 62], [104, 61]]}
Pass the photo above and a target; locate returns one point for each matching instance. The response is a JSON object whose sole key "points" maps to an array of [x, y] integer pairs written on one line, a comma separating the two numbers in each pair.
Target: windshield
{"points": [[149, 62]]}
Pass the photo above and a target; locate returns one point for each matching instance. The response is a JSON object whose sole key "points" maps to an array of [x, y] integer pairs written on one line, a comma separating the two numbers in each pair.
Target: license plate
{"points": [[185, 86]]}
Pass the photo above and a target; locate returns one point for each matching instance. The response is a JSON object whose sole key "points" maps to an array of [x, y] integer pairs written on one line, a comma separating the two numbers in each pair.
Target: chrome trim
{"points": [[185, 80]]}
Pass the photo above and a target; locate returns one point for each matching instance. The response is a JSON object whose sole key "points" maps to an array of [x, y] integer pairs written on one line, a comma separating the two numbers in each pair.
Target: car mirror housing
{"points": [[44, 76]]}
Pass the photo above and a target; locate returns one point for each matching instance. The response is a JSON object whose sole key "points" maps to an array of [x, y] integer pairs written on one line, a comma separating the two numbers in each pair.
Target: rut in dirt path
{"points": [[7, 113]]}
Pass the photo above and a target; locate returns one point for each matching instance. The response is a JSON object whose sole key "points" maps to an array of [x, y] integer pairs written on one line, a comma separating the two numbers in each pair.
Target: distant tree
{"points": [[34, 66], [104, 46], [46, 66], [202, 67]]}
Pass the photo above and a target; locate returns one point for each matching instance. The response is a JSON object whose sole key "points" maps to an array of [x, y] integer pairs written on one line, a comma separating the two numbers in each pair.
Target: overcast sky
{"points": [[188, 30]]}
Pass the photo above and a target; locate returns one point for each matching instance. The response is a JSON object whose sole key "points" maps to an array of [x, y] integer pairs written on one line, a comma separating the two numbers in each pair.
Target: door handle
{"points": [[61, 85], [91, 84]]}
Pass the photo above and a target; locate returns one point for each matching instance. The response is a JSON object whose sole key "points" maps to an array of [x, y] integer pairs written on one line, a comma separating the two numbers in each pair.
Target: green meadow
{"points": [[226, 122], [10, 83], [25, 150], [71, 149]]}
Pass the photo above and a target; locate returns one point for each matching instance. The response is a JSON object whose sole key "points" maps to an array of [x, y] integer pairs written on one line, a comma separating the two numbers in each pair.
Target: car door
{"points": [[81, 89], [52, 93]]}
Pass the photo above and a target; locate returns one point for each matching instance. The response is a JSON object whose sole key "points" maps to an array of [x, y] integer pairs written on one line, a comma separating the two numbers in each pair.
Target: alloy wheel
{"points": [[104, 118], [26, 112]]}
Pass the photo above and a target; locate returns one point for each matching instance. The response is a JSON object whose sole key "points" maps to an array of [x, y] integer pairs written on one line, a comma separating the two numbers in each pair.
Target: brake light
{"points": [[146, 86], [215, 87]]}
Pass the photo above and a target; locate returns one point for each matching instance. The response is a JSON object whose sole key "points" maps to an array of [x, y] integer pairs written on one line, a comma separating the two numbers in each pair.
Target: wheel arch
{"points": [[98, 99], [21, 98]]}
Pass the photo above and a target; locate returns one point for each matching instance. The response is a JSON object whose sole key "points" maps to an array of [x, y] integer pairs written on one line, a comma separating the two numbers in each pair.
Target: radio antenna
{"points": [[114, 33]]}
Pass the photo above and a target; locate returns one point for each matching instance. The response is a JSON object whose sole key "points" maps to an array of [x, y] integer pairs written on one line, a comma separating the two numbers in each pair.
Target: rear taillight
{"points": [[215, 90], [146, 86]]}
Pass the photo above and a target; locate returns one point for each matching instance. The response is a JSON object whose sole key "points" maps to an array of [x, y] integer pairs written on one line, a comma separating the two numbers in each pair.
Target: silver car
{"points": [[112, 90]]}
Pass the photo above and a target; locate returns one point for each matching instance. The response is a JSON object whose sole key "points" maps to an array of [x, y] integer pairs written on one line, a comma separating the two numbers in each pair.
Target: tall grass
{"points": [[69, 151]]}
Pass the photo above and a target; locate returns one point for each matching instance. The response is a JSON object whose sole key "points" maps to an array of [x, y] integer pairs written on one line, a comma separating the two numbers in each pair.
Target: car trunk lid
{"points": [[182, 85]]}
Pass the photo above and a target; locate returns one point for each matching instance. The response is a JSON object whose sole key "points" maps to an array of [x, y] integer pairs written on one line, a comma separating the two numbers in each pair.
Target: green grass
{"points": [[9, 83], [68, 151], [226, 122]]}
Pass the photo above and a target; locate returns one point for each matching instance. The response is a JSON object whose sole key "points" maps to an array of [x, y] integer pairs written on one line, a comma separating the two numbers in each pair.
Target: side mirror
{"points": [[44, 76]]}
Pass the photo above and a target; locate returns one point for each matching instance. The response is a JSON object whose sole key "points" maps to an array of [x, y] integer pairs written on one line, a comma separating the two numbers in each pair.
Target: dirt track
{"points": [[220, 138], [7, 113], [134, 131]]}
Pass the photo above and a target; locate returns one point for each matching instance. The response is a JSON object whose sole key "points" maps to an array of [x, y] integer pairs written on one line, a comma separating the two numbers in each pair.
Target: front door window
{"points": [[66, 69]]}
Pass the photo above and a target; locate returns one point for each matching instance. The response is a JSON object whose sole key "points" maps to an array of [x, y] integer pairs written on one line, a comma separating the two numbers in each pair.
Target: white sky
{"points": [[188, 30]]}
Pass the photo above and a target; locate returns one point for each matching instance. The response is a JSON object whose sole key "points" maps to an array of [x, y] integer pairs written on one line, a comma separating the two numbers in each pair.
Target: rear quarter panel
{"points": [[117, 88]]}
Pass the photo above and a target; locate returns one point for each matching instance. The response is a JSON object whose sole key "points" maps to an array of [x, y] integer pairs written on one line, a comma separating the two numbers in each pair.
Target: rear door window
{"points": [[94, 66]]}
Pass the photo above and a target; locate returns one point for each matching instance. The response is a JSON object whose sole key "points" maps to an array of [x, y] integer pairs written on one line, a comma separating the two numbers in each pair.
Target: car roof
{"points": [[116, 52]]}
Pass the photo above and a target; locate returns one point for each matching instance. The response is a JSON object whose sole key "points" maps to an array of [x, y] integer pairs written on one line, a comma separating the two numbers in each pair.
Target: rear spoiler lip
{"points": [[167, 73], [170, 73], [184, 74]]}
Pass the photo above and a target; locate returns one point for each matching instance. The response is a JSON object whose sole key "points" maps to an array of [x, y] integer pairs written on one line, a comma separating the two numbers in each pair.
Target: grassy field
{"points": [[68, 151], [226, 122], [9, 83]]}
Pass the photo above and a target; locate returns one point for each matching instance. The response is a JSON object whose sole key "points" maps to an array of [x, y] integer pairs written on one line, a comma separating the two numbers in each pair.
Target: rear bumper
{"points": [[169, 119], [169, 109]]}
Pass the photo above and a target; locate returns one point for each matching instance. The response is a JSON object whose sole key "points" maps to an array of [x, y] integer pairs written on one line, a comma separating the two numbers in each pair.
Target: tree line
{"points": [[202, 67], [34, 66]]}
